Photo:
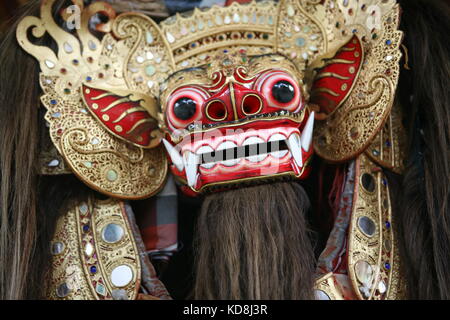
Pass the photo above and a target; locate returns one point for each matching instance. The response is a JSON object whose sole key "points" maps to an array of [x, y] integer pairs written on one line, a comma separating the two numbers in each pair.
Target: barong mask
{"points": [[230, 93], [248, 122]]}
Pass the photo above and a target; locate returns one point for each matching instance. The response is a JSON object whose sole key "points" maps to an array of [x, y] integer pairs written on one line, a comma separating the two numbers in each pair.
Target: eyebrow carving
{"points": [[252, 58], [184, 71]]}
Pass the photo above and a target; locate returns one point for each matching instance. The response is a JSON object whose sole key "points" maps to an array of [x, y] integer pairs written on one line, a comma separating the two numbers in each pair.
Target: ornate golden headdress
{"points": [[119, 153]]}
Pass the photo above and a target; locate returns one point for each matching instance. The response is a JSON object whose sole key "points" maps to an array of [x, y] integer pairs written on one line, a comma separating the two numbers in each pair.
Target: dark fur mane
{"points": [[29, 204], [423, 211]]}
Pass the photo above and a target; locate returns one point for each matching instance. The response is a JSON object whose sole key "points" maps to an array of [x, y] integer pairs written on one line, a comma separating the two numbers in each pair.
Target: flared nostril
{"points": [[251, 104], [216, 111]]}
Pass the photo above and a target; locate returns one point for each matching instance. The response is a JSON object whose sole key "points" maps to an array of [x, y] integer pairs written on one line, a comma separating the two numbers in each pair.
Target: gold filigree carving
{"points": [[149, 61], [373, 262], [300, 36], [326, 284], [111, 167], [388, 148], [82, 269], [194, 36]]}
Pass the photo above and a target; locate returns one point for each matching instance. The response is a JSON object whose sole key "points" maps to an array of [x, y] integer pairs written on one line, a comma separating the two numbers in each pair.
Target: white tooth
{"points": [[274, 138], [253, 141], [294, 145], [279, 154], [277, 137], [229, 163], [308, 132], [206, 150], [190, 161], [228, 145], [256, 159], [174, 155]]}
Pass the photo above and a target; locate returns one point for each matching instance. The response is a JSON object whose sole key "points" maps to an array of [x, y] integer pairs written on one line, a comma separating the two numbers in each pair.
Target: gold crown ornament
{"points": [[102, 97]]}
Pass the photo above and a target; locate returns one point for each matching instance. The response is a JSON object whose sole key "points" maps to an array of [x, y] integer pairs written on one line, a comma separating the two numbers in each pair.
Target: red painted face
{"points": [[232, 126]]}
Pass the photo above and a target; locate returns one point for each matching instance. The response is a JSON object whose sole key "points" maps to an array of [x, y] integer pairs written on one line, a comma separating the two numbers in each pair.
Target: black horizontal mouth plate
{"points": [[243, 151]]}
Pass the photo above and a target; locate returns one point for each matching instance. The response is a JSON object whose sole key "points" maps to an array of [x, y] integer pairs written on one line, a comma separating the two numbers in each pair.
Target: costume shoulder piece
{"points": [[361, 258], [94, 254], [98, 254]]}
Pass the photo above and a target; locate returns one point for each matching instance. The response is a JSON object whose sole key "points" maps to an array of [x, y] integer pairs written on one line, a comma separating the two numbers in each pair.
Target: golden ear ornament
{"points": [[103, 161], [349, 130]]}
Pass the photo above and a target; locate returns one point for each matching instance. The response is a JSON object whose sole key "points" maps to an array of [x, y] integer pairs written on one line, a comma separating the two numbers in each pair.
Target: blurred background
{"points": [[157, 9]]}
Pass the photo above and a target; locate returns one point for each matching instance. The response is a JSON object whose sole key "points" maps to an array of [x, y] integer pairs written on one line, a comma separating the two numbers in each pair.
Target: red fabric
{"points": [[157, 233], [330, 186], [334, 197], [154, 236]]}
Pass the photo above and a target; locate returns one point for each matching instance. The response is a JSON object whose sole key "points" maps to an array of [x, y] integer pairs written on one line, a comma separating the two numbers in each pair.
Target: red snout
{"points": [[233, 102]]}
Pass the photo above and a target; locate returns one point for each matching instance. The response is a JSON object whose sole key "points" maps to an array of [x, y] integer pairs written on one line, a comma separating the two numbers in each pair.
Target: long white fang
{"points": [[190, 161], [174, 155], [294, 144], [308, 132]]}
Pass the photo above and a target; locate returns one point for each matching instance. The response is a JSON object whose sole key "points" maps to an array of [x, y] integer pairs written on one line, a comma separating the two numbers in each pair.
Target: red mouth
{"points": [[230, 155]]}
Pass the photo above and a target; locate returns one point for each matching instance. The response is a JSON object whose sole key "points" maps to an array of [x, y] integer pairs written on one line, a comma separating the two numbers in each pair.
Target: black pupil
{"points": [[184, 108], [283, 91]]}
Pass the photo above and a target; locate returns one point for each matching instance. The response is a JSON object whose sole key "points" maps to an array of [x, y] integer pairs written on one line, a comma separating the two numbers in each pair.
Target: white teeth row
{"points": [[190, 160], [250, 141]]}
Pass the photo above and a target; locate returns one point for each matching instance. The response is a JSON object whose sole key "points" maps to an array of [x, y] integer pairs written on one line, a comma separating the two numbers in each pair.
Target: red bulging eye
{"points": [[184, 107], [280, 90]]}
